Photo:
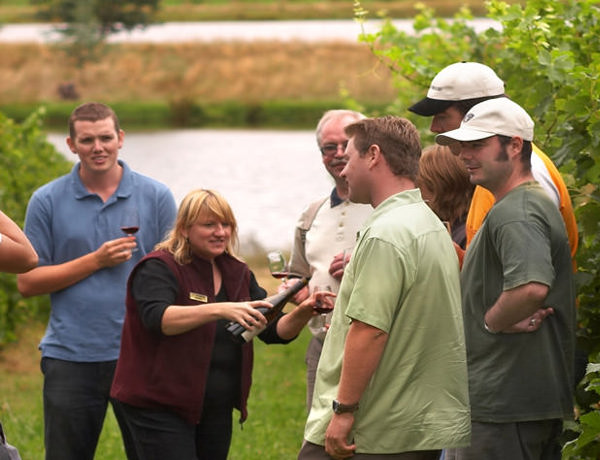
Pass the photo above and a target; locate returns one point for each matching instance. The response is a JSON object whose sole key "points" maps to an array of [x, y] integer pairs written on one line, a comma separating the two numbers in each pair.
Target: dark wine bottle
{"points": [[242, 335]]}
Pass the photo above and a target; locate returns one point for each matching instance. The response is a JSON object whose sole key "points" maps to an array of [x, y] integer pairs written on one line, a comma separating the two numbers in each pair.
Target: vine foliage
{"points": [[28, 161]]}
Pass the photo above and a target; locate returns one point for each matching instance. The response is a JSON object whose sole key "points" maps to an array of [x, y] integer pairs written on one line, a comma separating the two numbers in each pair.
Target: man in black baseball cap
{"points": [[452, 93]]}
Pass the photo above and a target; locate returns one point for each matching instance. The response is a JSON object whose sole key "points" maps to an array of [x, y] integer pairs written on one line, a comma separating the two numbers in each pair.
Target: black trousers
{"points": [[164, 435], [76, 396], [310, 451]]}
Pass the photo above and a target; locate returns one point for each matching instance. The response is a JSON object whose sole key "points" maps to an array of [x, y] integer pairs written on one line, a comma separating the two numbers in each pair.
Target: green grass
{"points": [[273, 431], [140, 116]]}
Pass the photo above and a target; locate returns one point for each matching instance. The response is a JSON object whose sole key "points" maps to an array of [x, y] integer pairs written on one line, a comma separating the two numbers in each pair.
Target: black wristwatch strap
{"points": [[340, 408]]}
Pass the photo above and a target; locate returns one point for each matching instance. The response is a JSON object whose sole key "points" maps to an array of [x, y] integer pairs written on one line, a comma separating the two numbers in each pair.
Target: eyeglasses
{"points": [[331, 149]]}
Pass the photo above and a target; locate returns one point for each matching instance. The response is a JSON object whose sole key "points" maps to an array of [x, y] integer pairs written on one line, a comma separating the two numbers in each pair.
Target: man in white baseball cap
{"points": [[452, 93], [461, 81], [518, 297]]}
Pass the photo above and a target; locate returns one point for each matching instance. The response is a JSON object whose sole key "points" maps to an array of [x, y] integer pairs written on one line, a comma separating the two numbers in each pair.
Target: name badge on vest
{"points": [[198, 297]]}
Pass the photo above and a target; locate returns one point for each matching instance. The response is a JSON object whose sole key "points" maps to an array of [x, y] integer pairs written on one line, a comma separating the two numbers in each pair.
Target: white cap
{"points": [[458, 82], [488, 118]]}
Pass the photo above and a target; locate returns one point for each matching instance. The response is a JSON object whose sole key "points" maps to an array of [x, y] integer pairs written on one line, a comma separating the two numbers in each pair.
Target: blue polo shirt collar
{"points": [[124, 190]]}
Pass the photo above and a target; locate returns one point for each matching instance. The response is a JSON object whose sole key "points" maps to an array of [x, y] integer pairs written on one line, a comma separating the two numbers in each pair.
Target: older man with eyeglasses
{"points": [[327, 227]]}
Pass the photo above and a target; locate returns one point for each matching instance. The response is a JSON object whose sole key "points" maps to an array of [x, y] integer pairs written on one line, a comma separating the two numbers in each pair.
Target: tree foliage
{"points": [[28, 161], [548, 54], [109, 15], [86, 24]]}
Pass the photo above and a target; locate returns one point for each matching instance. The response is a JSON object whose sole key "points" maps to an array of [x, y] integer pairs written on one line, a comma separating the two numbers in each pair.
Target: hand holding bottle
{"points": [[241, 333], [248, 314]]}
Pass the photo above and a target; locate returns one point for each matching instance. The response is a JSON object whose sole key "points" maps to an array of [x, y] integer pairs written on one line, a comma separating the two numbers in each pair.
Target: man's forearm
{"points": [[51, 278], [515, 305], [363, 350]]}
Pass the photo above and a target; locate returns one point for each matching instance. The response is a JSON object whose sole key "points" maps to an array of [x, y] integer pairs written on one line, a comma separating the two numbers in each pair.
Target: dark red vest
{"points": [[169, 372]]}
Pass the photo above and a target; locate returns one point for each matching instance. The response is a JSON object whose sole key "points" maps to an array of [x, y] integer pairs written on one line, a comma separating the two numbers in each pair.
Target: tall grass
{"points": [[197, 72], [273, 431], [252, 84]]}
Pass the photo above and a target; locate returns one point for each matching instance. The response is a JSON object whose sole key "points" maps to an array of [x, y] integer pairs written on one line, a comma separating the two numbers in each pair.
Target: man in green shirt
{"points": [[518, 295], [391, 381]]}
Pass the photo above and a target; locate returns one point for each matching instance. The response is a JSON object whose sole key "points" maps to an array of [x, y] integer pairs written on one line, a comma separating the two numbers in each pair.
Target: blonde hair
{"points": [[200, 204], [446, 177]]}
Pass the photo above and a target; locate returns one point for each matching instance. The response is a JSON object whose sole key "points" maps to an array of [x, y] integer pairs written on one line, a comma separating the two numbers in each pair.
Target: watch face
{"points": [[336, 407]]}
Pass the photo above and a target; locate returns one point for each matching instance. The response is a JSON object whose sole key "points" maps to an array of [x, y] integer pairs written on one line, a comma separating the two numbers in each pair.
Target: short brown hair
{"points": [[446, 177], [397, 138], [92, 111]]}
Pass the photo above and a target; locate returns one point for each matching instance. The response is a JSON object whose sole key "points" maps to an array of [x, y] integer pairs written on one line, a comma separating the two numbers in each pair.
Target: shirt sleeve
{"points": [[525, 253], [154, 288], [256, 292], [38, 230]]}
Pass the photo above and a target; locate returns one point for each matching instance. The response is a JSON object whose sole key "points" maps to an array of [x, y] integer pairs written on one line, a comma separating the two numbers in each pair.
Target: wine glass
{"points": [[323, 307], [277, 265], [130, 223]]}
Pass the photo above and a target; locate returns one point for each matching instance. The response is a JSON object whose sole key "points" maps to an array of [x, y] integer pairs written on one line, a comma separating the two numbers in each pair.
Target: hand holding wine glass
{"points": [[339, 262], [130, 223], [323, 304]]}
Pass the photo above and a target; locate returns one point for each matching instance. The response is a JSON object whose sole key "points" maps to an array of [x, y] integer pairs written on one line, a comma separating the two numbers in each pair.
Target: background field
{"points": [[218, 84], [213, 72]]}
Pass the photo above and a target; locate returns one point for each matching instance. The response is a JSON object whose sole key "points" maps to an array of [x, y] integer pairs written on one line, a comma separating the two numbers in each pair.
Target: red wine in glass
{"points": [[130, 230], [130, 222], [277, 265], [323, 307]]}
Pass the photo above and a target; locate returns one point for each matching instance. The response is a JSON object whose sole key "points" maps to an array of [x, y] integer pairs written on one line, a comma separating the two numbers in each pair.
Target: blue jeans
{"points": [[76, 397]]}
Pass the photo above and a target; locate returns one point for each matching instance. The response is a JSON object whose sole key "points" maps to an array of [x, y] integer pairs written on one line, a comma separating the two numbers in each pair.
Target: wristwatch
{"points": [[340, 408]]}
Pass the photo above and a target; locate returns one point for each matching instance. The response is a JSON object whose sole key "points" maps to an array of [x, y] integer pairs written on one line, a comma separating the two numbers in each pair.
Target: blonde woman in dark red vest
{"points": [[179, 374]]}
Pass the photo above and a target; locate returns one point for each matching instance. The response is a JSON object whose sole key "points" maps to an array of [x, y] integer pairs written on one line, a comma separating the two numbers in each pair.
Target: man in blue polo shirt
{"points": [[73, 223]]}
